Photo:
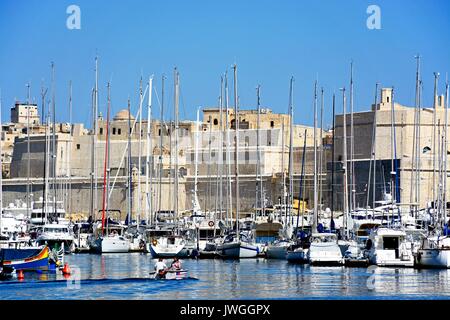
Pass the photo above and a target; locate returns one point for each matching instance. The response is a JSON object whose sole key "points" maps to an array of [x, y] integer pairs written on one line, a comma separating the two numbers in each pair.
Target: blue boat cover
{"points": [[18, 254]]}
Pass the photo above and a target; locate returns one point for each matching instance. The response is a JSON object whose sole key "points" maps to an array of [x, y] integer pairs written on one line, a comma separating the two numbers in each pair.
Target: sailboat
{"points": [[324, 248], [434, 251], [111, 242], [169, 243], [278, 249], [237, 244], [54, 230]]}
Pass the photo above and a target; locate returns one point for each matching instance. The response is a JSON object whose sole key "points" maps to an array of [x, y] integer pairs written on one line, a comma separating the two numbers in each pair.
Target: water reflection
{"points": [[102, 277]]}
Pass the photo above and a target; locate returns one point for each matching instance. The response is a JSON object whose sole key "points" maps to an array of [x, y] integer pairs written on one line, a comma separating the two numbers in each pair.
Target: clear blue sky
{"points": [[269, 40]]}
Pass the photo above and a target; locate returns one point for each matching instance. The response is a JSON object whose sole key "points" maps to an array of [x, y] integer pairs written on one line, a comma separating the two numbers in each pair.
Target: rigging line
{"points": [[126, 148]]}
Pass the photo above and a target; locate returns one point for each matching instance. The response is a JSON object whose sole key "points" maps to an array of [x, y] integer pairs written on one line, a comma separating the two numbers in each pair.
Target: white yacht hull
{"points": [[387, 258], [433, 258], [111, 245], [325, 254], [237, 250]]}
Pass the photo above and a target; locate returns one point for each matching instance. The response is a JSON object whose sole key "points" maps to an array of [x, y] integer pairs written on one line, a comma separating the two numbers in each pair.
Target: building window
{"points": [[119, 131], [272, 124], [216, 122], [159, 132], [114, 130], [78, 146], [387, 99], [101, 131]]}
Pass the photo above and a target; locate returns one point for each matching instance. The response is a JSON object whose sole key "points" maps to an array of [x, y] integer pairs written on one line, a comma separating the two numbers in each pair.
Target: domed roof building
{"points": [[122, 115]]}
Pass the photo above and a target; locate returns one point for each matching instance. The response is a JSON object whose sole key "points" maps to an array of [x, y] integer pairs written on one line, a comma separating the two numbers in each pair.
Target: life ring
{"points": [[154, 242], [211, 223]]}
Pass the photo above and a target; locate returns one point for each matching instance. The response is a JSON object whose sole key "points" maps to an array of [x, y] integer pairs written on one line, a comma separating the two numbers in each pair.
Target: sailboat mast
{"points": [[149, 167], [28, 149], [352, 146], [332, 157], [94, 172], [436, 76], [161, 133], [129, 172], [177, 97], [321, 154], [229, 186], [139, 192], [54, 151], [300, 203], [315, 218], [374, 148], [258, 197], [220, 163], [105, 167], [344, 160], [291, 148], [69, 168], [44, 123], [236, 155]]}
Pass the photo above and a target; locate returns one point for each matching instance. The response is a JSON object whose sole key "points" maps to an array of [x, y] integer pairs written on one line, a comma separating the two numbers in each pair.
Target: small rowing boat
{"points": [[171, 275]]}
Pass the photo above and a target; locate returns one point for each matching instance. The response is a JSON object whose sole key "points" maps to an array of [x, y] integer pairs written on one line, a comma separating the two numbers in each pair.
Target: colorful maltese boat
{"points": [[36, 258]]}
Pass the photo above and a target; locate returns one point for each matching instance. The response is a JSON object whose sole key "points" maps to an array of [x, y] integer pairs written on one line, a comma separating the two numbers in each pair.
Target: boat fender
{"points": [[211, 223], [20, 275], [154, 242]]}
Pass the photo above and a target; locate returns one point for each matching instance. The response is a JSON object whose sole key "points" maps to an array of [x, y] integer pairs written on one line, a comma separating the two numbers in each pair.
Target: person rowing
{"points": [[161, 269], [176, 264]]}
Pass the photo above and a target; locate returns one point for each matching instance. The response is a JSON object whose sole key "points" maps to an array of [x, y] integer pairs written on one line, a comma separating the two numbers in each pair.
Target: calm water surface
{"points": [[126, 276]]}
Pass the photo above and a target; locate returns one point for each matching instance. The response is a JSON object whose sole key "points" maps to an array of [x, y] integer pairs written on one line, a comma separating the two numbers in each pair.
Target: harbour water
{"points": [[126, 276]]}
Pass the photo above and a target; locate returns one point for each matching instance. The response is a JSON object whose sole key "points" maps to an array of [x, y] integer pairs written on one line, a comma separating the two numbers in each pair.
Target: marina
{"points": [[144, 175]]}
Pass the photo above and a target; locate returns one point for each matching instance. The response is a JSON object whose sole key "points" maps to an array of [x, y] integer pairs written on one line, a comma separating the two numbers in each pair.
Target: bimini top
{"points": [[122, 115]]}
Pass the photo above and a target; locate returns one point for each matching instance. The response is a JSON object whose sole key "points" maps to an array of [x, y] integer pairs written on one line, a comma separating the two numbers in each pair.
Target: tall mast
{"points": [[236, 147], [54, 151], [129, 172], [139, 192], [229, 186], [220, 163], [258, 155], [28, 150], [415, 173], [44, 123], [149, 167], [417, 146], [344, 160], [332, 158], [445, 151], [92, 191], [352, 146], [95, 137], [161, 132], [301, 182], [177, 95], [106, 166], [208, 171], [291, 148], [69, 169], [321, 155], [315, 219], [436, 76], [197, 134], [374, 148]]}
